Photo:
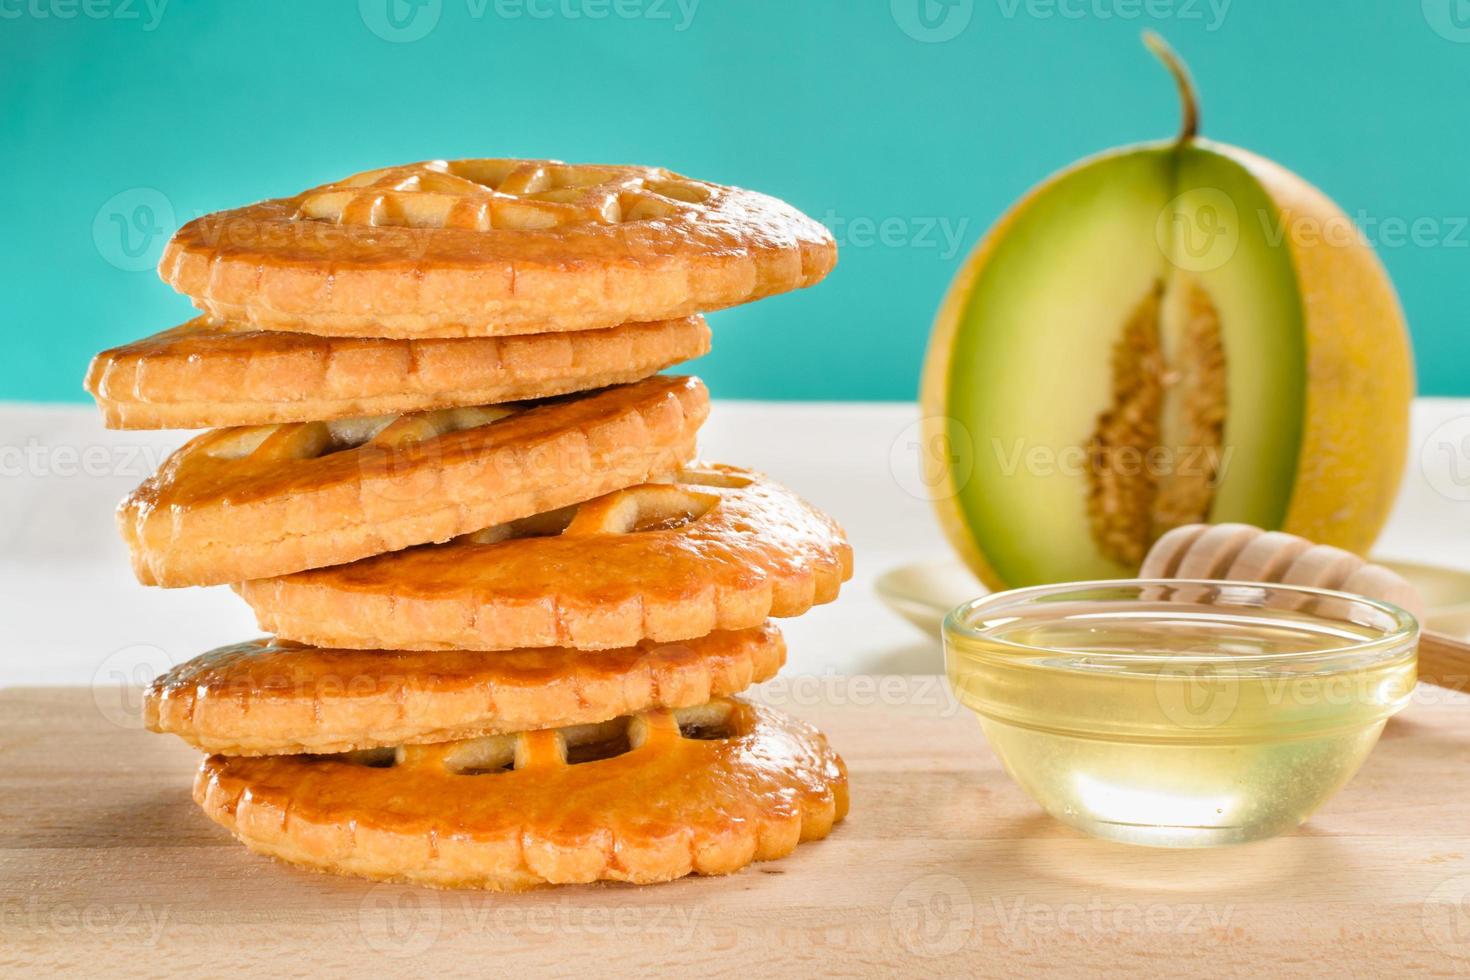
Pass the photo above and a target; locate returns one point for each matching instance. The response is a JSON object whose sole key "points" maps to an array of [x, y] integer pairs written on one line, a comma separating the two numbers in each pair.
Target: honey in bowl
{"points": [[1181, 713]]}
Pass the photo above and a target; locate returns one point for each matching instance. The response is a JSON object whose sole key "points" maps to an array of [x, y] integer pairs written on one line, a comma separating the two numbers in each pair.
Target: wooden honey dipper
{"points": [[1242, 553]]}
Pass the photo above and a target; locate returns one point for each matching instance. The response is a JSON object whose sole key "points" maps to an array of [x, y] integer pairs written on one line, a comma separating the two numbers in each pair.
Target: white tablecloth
{"points": [[74, 614]]}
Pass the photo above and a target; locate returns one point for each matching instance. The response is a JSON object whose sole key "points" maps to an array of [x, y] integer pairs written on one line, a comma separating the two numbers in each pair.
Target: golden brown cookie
{"points": [[269, 697], [649, 798], [242, 503], [720, 548], [467, 248], [201, 376]]}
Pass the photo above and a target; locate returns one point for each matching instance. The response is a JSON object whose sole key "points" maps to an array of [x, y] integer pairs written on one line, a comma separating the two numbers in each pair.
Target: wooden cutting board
{"points": [[943, 867]]}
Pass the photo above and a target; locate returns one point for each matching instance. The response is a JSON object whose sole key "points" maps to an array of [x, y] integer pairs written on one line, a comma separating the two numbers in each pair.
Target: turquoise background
{"points": [[908, 143]]}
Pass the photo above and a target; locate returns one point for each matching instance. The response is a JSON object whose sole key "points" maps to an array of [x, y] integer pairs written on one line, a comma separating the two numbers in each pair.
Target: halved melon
{"points": [[1161, 335]]}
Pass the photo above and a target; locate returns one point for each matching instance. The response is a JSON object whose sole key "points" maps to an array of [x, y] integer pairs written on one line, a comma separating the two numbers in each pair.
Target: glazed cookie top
{"points": [[255, 501], [457, 248]]}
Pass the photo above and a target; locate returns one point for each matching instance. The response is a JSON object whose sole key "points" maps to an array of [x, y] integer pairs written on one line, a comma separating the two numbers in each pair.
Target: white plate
{"points": [[925, 592]]}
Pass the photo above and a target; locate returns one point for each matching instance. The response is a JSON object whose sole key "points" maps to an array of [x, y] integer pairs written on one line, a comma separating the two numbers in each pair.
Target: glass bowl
{"points": [[1180, 713]]}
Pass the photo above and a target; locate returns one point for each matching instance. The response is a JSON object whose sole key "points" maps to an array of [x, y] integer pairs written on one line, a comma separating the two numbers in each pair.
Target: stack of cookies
{"points": [[510, 612]]}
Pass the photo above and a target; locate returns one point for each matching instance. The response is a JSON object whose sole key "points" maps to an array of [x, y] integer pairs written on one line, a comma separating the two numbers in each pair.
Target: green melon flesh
{"points": [[1032, 366]]}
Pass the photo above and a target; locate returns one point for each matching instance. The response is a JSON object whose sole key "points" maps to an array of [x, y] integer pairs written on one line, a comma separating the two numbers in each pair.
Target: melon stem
{"points": [[1189, 101]]}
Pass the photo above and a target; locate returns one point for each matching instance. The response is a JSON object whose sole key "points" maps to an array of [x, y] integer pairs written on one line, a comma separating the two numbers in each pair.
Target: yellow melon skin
{"points": [[1359, 365], [1360, 368]]}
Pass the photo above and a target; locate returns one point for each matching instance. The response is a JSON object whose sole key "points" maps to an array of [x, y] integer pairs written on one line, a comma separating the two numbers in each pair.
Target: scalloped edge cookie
{"points": [[671, 805]]}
